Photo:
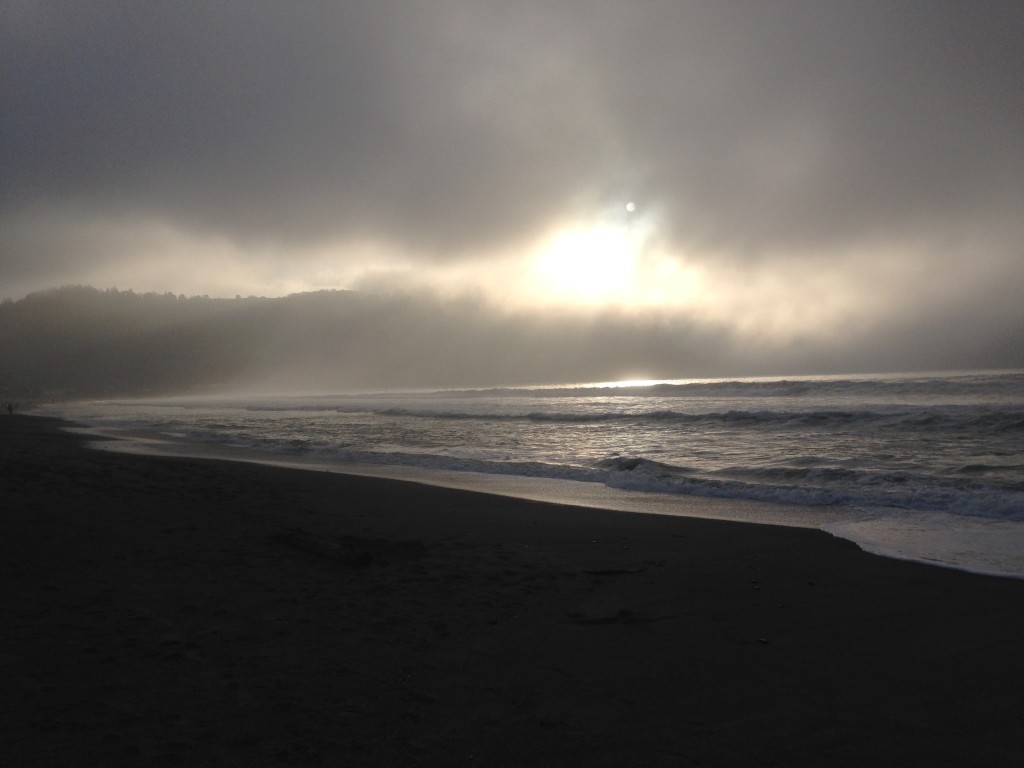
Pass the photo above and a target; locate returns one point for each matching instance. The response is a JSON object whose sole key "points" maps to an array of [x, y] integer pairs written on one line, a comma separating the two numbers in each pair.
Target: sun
{"points": [[587, 264], [615, 258]]}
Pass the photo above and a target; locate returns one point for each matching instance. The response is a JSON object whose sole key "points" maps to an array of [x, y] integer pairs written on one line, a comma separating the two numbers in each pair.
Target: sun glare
{"points": [[616, 259], [588, 264]]}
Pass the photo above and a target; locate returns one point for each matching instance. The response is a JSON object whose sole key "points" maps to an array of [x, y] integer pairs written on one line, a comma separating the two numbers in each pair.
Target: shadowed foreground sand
{"points": [[161, 611]]}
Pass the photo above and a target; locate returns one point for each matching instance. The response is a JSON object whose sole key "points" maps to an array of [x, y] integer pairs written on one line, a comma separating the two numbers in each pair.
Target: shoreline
{"points": [[184, 611], [544, 489], [981, 546]]}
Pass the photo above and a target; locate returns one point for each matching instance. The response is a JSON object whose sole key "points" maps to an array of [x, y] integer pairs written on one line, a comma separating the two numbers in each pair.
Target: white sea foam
{"points": [[978, 545]]}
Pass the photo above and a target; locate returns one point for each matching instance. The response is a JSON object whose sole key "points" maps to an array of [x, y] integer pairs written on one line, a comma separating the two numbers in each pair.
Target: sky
{"points": [[827, 184]]}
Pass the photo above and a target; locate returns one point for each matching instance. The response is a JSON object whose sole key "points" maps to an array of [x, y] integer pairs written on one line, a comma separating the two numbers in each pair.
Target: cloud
{"points": [[808, 159]]}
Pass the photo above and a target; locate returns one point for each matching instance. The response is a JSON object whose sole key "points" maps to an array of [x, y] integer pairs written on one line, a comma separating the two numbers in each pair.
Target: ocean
{"points": [[926, 467]]}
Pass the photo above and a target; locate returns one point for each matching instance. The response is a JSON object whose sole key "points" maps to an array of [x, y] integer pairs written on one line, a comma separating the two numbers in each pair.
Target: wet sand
{"points": [[172, 611]]}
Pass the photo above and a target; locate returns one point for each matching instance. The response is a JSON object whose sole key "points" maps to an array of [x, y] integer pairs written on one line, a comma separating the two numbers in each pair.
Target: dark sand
{"points": [[163, 611]]}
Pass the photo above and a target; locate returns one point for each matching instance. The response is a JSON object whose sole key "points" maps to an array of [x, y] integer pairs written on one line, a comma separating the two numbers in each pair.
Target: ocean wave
{"points": [[990, 420], [967, 384], [821, 486], [937, 453]]}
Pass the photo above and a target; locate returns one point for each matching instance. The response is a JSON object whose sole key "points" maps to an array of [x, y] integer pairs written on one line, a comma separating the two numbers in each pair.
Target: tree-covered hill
{"points": [[83, 342]]}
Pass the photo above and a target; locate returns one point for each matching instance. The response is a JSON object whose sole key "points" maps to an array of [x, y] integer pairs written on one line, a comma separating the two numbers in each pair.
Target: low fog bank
{"points": [[82, 342]]}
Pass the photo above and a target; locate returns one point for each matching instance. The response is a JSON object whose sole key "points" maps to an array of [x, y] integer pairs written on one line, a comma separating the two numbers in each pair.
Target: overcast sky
{"points": [[816, 176]]}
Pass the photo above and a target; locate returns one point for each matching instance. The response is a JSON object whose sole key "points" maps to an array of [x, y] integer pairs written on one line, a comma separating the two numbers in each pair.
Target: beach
{"points": [[180, 611]]}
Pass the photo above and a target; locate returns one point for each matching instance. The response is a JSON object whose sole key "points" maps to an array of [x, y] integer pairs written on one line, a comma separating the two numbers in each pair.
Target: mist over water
{"points": [[949, 447]]}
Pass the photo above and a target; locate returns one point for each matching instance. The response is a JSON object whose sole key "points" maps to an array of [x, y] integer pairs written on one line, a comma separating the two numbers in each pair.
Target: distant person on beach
{"points": [[10, 409]]}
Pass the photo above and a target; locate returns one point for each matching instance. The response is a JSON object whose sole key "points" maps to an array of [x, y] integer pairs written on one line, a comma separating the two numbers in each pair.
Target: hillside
{"points": [[83, 342]]}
